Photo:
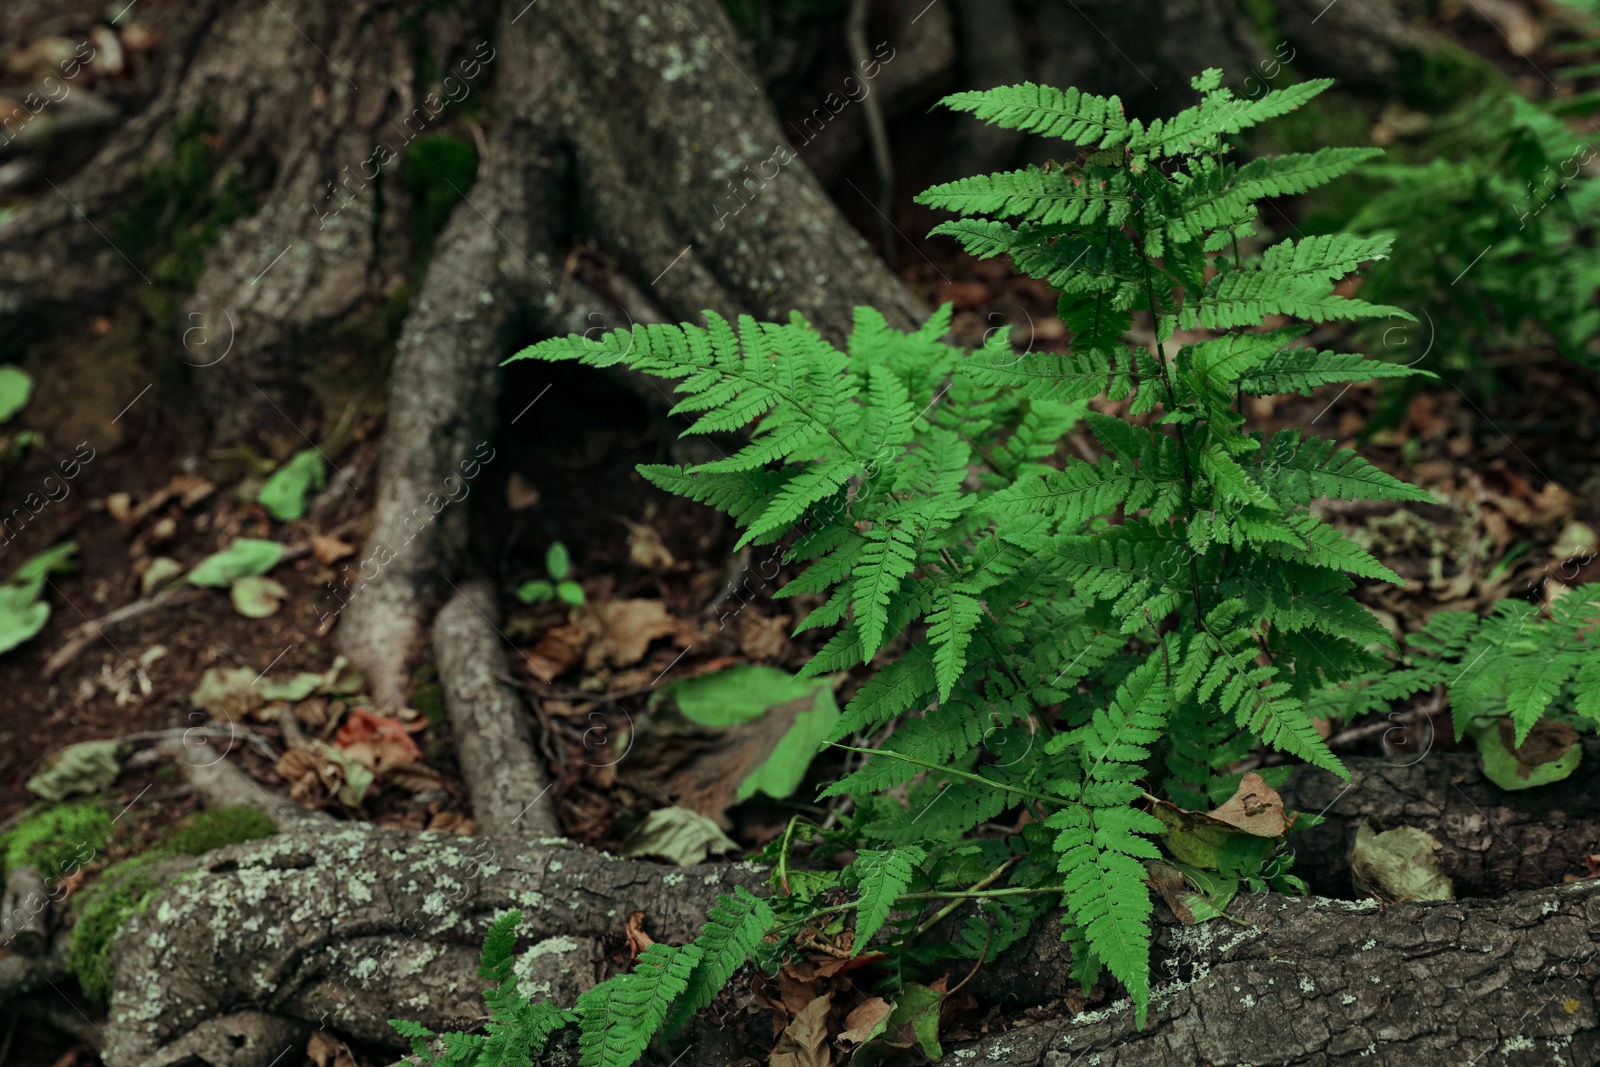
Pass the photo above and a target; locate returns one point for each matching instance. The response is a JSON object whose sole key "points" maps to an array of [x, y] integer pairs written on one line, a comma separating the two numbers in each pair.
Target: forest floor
{"points": [[1515, 471]]}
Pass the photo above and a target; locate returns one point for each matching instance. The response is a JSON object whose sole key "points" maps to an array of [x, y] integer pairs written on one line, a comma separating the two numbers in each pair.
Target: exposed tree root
{"points": [[509, 787], [345, 926], [1314, 981], [704, 204]]}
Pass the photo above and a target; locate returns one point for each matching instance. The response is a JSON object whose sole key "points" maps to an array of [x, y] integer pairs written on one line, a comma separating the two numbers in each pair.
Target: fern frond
{"points": [[619, 1017], [884, 876], [733, 928], [1074, 116]]}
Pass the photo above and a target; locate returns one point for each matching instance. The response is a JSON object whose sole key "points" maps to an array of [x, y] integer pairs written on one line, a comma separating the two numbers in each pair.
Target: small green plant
{"points": [[1070, 657], [1523, 664], [557, 564], [23, 609]]}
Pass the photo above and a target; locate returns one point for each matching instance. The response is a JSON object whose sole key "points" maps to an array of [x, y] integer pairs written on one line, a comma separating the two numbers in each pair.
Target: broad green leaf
{"points": [[1550, 753], [247, 557], [15, 389], [286, 494]]}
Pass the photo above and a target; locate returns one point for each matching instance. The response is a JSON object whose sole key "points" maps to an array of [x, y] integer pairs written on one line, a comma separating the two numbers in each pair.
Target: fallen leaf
{"points": [[325, 1050], [452, 822], [866, 1021], [556, 652], [120, 505], [377, 741], [246, 557], [638, 939], [625, 629], [646, 549], [520, 493], [257, 597], [329, 549], [1548, 754], [803, 1042], [678, 836], [157, 573], [228, 693], [342, 679], [87, 767], [319, 773], [765, 637], [287, 493], [294, 688], [1255, 808], [1398, 866]]}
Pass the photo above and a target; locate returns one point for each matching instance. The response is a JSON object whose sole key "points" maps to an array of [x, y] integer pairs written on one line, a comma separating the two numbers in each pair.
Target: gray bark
{"points": [[24, 912], [349, 928], [1311, 982], [649, 106], [488, 720], [1493, 840]]}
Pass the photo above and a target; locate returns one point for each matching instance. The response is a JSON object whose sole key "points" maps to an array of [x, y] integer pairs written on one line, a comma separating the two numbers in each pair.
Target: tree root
{"points": [[490, 724], [1314, 981], [345, 926]]}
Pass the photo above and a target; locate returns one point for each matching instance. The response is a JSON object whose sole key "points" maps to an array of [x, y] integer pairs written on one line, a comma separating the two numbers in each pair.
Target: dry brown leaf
{"points": [[520, 493], [379, 742], [1255, 807], [638, 939], [803, 1042], [623, 630], [452, 822], [859, 1024], [1168, 881], [556, 652], [313, 781], [325, 1050], [645, 548], [329, 549], [765, 638]]}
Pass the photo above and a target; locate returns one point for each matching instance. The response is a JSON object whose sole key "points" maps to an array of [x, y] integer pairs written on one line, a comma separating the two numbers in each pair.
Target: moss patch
{"points": [[58, 840], [438, 170], [121, 890], [214, 829]]}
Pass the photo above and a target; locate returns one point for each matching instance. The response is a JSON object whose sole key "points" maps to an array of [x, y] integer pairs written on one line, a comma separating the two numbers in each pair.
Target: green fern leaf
{"points": [[620, 1016], [884, 876]]}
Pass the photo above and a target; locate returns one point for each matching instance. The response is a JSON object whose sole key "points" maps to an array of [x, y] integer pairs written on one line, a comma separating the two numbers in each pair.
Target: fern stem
{"points": [[951, 771]]}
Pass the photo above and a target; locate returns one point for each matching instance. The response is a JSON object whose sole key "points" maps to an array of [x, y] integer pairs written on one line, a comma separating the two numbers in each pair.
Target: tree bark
{"points": [[356, 925], [349, 928], [646, 109], [1493, 840], [1316, 982]]}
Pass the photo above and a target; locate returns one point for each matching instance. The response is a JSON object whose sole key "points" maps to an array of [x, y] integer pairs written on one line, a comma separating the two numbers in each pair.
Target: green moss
{"points": [[185, 205], [58, 840], [438, 170], [214, 829], [121, 890]]}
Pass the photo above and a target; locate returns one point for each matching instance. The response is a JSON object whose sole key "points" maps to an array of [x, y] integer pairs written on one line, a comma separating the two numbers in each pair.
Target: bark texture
{"points": [[685, 176], [1493, 840], [349, 928], [488, 720], [1312, 982]]}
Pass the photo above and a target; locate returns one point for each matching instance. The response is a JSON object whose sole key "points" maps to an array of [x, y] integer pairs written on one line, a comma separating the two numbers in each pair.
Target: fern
{"points": [[1068, 641]]}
